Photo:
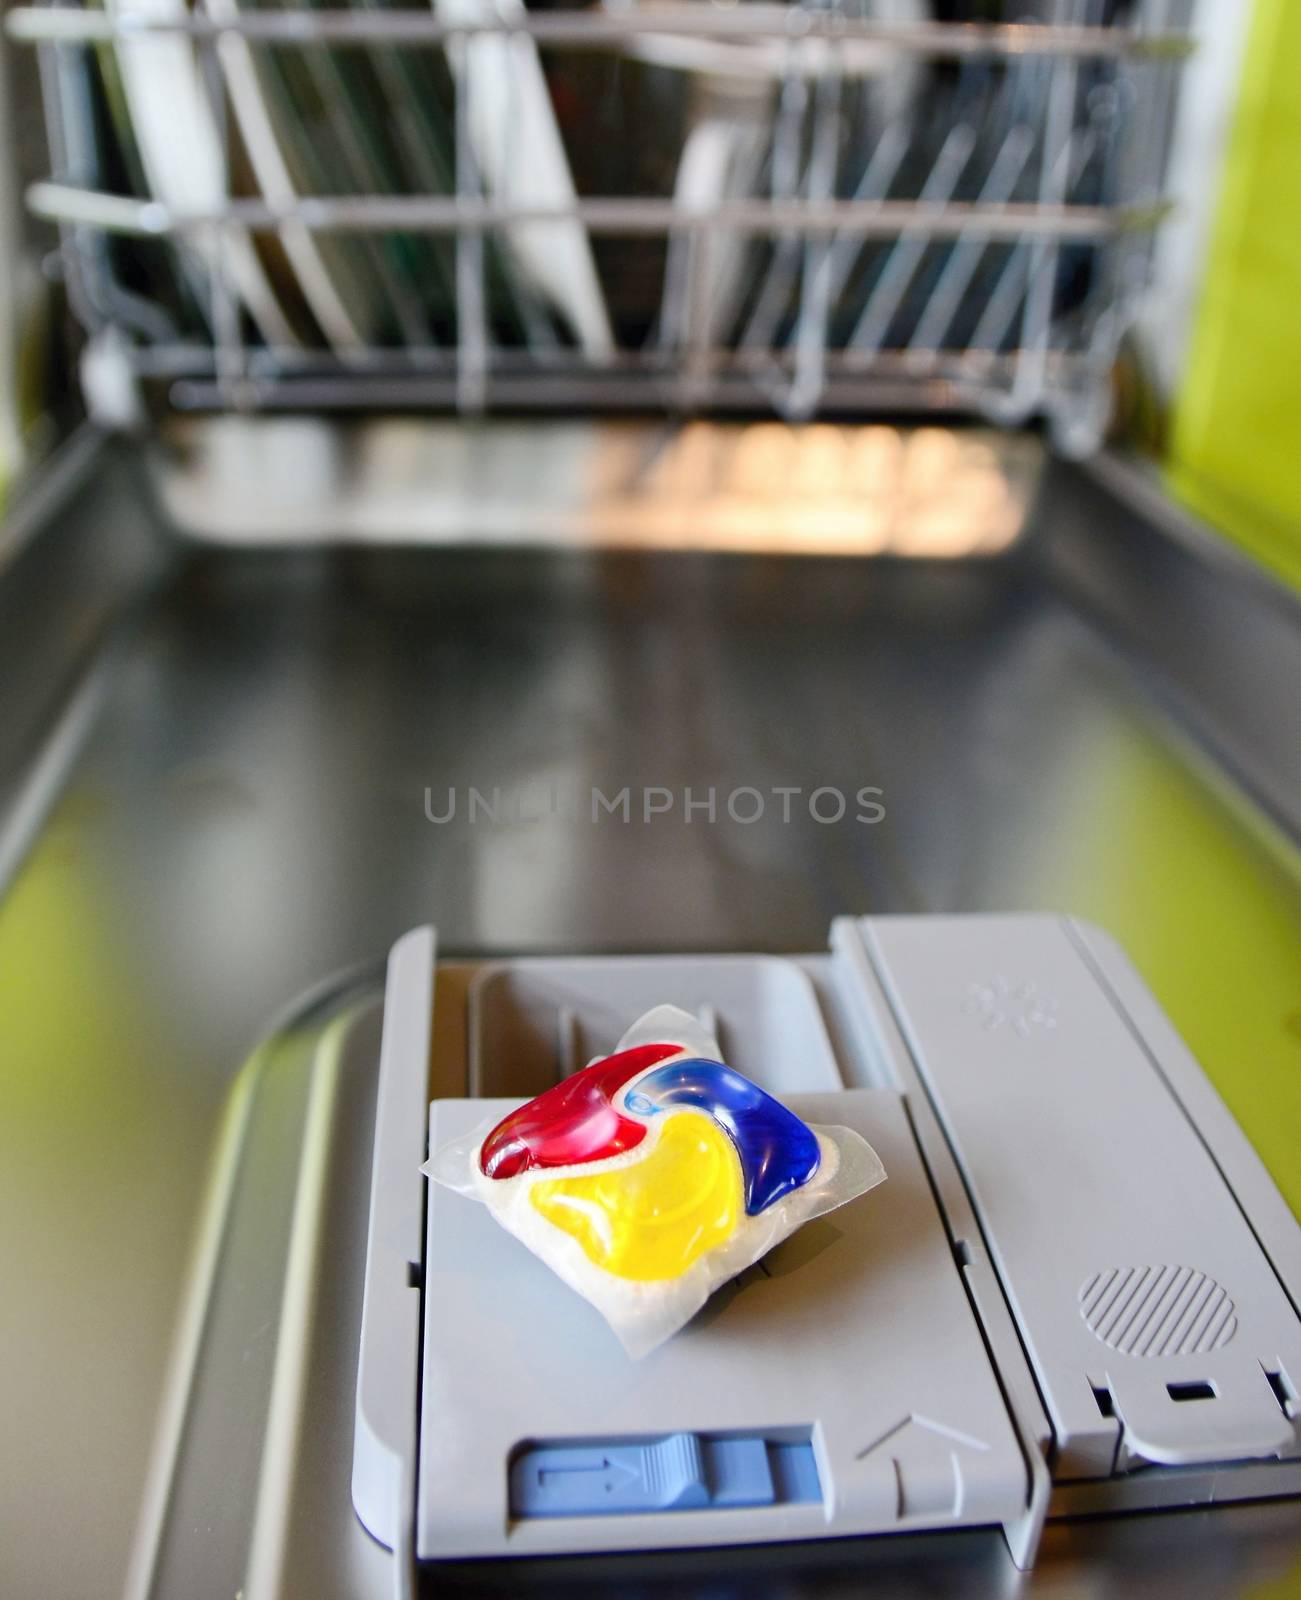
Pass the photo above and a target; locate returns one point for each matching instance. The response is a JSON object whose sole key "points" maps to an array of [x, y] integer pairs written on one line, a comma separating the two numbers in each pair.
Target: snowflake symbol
{"points": [[1005, 1002]]}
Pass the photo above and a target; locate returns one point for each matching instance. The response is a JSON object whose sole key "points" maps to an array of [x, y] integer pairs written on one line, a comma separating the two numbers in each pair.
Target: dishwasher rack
{"points": [[838, 210]]}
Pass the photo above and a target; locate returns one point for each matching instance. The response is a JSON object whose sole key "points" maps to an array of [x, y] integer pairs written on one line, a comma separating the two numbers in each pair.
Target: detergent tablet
{"points": [[654, 1175]]}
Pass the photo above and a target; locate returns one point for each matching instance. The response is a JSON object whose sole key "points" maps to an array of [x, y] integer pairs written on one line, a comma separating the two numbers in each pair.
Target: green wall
{"points": [[1235, 447]]}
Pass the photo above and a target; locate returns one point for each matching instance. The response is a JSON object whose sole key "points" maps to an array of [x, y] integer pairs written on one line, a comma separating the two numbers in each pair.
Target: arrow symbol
{"points": [[556, 1477]]}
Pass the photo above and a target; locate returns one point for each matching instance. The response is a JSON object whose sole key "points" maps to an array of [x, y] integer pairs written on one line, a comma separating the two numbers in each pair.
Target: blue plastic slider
{"points": [[678, 1472]]}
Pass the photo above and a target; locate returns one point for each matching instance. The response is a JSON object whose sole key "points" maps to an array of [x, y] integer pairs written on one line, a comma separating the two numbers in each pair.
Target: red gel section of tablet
{"points": [[573, 1122]]}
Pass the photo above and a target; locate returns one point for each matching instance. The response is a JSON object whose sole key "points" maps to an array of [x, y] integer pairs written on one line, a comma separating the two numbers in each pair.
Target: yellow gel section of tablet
{"points": [[651, 1219]]}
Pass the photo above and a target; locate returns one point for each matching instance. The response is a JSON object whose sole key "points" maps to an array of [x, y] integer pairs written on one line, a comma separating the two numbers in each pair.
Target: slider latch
{"points": [[676, 1472]]}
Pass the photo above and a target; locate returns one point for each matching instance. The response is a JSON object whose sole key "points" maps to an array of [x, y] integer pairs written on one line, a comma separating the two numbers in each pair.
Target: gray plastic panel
{"points": [[1136, 1280], [873, 1051], [1055, 1111], [383, 1463], [533, 1022], [858, 1328]]}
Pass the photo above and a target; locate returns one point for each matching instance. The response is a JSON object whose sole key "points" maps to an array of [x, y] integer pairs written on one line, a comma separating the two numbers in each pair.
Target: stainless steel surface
{"points": [[1216, 636], [972, 242], [237, 810]]}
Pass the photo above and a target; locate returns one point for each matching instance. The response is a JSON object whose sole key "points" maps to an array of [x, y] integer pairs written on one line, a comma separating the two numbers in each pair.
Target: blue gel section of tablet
{"points": [[779, 1153]]}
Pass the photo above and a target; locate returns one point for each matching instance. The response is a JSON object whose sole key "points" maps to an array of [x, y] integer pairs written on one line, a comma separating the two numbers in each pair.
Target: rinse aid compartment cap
{"points": [[1155, 1323]]}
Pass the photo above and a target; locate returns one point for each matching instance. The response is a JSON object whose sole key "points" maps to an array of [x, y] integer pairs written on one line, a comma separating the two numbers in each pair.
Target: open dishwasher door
{"points": [[231, 773], [629, 485]]}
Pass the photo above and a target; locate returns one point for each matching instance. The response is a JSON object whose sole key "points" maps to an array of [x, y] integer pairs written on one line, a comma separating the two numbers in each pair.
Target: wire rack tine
{"points": [[815, 286], [1004, 301], [54, 62], [472, 333], [98, 298], [225, 241], [954, 280], [883, 302], [1029, 382], [696, 289], [878, 175], [758, 338]]}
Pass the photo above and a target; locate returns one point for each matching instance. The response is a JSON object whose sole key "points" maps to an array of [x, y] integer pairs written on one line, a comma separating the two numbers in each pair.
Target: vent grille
{"points": [[1158, 1311]]}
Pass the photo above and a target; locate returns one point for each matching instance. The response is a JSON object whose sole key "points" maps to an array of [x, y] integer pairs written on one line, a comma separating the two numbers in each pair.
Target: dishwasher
{"points": [[547, 513]]}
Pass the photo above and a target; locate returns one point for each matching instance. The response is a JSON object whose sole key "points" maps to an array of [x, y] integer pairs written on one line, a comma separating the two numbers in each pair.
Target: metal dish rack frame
{"points": [[1024, 359]]}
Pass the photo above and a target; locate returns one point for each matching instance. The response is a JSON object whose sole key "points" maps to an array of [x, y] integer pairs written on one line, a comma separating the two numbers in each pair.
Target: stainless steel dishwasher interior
{"points": [[214, 764]]}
